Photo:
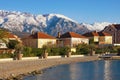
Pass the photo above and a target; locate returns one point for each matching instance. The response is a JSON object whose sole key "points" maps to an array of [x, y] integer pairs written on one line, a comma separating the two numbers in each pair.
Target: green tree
{"points": [[18, 51], [4, 34], [12, 43], [19, 48], [45, 48], [92, 48], [27, 51], [91, 41], [82, 49]]}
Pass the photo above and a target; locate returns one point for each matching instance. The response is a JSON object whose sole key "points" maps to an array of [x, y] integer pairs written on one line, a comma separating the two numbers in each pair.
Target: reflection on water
{"points": [[73, 71], [94, 70], [107, 71]]}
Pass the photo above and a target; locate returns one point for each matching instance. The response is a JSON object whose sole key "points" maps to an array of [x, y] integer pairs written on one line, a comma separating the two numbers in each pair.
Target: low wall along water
{"points": [[32, 58], [11, 69]]}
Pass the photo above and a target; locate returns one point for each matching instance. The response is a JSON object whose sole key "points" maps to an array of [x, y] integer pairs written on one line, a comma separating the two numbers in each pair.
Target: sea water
{"points": [[93, 70]]}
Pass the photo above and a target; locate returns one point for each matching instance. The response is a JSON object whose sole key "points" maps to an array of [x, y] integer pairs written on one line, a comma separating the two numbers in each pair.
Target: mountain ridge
{"points": [[17, 21]]}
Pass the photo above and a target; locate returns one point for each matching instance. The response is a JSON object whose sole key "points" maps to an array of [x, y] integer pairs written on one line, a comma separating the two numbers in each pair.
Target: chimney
{"points": [[58, 35], [33, 32], [95, 31]]}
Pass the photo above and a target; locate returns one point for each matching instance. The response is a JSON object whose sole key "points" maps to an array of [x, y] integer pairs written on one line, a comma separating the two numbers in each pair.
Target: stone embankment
{"points": [[19, 67]]}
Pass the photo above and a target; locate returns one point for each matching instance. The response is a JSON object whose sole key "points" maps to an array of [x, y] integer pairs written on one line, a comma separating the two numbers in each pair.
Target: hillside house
{"points": [[99, 37], [37, 40], [71, 39], [114, 30]]}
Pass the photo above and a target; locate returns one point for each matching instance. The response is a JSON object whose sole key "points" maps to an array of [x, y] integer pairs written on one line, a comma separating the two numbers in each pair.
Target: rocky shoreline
{"points": [[15, 70]]}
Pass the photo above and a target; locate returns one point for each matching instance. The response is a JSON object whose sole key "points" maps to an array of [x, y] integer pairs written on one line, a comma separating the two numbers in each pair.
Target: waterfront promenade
{"points": [[17, 67]]}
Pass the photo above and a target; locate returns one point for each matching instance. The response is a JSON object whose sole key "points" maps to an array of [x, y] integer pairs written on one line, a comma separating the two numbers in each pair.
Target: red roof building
{"points": [[99, 37], [71, 39], [71, 35], [41, 35], [114, 30], [39, 39]]}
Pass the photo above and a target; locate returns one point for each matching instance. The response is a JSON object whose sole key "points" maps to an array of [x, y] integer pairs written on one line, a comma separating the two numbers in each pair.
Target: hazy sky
{"points": [[88, 11]]}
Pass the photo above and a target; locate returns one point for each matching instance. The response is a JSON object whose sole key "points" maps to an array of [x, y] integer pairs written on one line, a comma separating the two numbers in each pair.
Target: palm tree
{"points": [[68, 51], [92, 48], [18, 51], [19, 47], [3, 35], [45, 51], [12, 43]]}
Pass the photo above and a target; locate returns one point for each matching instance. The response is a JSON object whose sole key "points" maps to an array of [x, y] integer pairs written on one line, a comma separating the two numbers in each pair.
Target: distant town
{"points": [[105, 39]]}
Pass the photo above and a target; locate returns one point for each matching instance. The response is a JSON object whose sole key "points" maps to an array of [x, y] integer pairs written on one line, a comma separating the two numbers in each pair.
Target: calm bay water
{"points": [[93, 70]]}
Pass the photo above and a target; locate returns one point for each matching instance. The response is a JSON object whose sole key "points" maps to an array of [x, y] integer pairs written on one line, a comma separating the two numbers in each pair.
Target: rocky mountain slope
{"points": [[48, 23]]}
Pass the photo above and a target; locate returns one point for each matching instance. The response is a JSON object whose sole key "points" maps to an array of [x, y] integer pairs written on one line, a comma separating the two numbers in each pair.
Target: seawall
{"points": [[17, 67]]}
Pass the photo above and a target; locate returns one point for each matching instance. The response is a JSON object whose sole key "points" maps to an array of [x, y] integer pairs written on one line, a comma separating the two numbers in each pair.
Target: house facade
{"points": [[105, 38], [114, 30], [39, 39], [71, 39], [94, 36], [99, 37]]}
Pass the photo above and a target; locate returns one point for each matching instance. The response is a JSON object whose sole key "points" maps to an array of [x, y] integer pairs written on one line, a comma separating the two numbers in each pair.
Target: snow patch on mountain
{"points": [[62, 16], [96, 26], [49, 23], [1, 20]]}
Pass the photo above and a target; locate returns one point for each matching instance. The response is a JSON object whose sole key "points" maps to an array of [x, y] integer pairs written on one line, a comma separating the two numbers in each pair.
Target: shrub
{"points": [[99, 50], [83, 49], [63, 50], [6, 55], [54, 51], [118, 50], [27, 52], [115, 49], [37, 51]]}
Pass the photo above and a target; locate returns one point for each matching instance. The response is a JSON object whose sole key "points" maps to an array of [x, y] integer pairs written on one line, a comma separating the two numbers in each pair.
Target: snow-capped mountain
{"points": [[49, 23], [96, 26]]}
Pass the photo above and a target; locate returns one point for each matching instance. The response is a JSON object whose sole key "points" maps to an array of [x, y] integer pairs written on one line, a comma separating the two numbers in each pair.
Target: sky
{"points": [[87, 11]]}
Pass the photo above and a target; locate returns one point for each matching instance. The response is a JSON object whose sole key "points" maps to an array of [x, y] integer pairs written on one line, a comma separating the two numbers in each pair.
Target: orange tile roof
{"points": [[104, 34], [90, 34], [10, 35], [40, 35], [44, 35], [71, 34], [94, 33]]}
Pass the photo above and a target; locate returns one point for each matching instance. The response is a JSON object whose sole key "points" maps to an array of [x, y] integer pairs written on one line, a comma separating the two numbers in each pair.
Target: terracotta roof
{"points": [[90, 34], [104, 34], [71, 34], [10, 35], [94, 33], [42, 35]]}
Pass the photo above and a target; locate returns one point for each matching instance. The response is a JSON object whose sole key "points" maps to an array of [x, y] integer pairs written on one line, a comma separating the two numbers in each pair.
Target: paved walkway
{"points": [[24, 66]]}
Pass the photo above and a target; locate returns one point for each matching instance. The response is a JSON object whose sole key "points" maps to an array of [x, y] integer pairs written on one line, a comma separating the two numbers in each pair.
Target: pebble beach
{"points": [[21, 67]]}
